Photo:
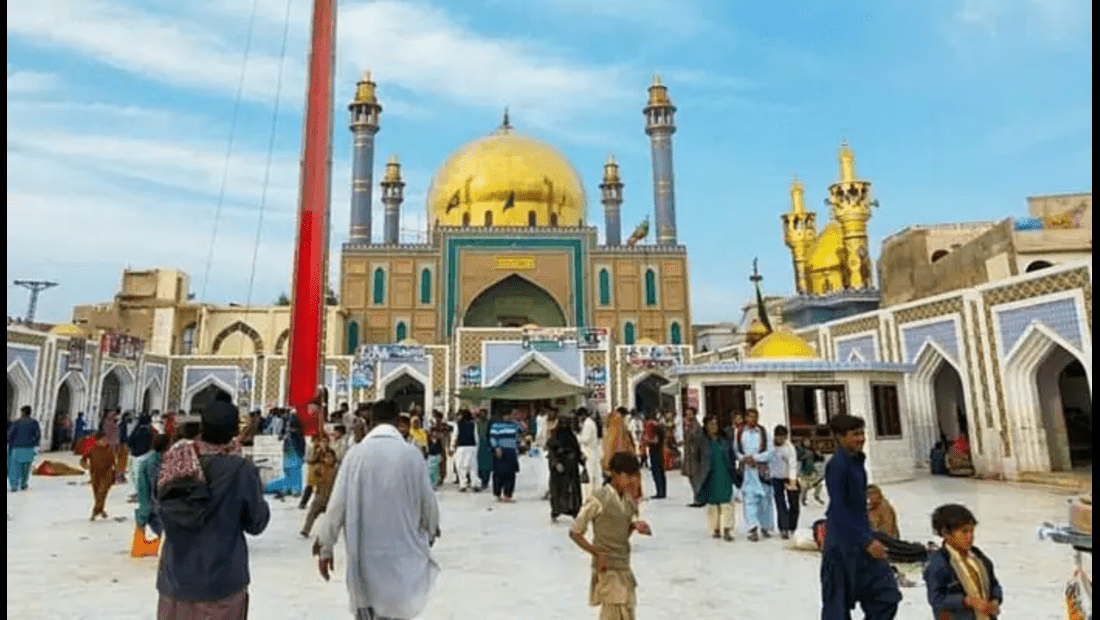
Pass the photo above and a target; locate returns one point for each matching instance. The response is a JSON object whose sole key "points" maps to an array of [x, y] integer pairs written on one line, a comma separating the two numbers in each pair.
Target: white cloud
{"points": [[1021, 22], [23, 82]]}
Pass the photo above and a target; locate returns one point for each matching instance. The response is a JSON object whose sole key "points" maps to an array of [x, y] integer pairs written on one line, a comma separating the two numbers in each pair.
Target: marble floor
{"points": [[509, 561]]}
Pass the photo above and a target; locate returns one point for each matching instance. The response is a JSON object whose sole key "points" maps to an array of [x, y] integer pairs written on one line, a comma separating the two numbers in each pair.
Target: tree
{"points": [[330, 298], [283, 300]]}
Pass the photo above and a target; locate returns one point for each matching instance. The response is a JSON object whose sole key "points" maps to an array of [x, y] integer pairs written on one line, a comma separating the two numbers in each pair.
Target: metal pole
{"points": [[35, 287]]}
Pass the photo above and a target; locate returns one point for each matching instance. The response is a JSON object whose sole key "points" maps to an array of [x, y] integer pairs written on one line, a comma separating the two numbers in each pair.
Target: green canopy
{"points": [[536, 389]]}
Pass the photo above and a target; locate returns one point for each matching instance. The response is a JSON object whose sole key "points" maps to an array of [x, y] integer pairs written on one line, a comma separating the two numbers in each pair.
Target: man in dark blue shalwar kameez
{"points": [[853, 566]]}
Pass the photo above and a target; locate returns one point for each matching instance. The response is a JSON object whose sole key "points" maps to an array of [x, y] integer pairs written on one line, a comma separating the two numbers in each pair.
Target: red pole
{"points": [[307, 307]]}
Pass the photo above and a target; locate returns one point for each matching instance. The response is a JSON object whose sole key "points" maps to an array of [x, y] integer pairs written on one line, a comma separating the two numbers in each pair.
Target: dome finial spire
{"points": [[507, 124]]}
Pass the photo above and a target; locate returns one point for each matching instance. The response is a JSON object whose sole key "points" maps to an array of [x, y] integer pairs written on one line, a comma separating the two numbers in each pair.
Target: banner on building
{"points": [[692, 398], [362, 373], [595, 379], [471, 376], [376, 352], [592, 338], [77, 349], [544, 339], [121, 346], [653, 356]]}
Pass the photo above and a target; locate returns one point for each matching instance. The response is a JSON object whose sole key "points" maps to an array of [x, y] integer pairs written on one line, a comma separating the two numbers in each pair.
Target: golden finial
{"points": [[610, 170], [364, 90], [656, 79], [847, 162], [798, 202], [393, 169]]}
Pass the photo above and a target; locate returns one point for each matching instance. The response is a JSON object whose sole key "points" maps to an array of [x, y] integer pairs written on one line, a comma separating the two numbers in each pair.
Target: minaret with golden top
{"points": [[611, 195], [365, 112], [851, 203], [660, 124], [393, 194], [799, 233]]}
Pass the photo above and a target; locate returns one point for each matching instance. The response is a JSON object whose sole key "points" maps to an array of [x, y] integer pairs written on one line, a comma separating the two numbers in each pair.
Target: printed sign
{"points": [[362, 373], [653, 356], [592, 338], [515, 262], [121, 346], [471, 376], [544, 339], [693, 398], [77, 347], [596, 382], [390, 352]]}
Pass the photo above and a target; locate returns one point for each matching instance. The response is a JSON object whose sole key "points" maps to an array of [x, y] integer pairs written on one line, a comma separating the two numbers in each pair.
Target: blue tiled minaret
{"points": [[365, 112], [660, 124], [611, 195]]}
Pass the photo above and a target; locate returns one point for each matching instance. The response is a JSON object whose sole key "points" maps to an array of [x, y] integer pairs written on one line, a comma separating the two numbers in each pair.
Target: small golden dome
{"points": [[68, 330], [826, 253], [756, 332], [509, 176], [782, 344]]}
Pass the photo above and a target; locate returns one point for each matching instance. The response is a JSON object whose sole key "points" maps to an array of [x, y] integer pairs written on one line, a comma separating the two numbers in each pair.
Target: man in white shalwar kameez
{"points": [[590, 445], [385, 504]]}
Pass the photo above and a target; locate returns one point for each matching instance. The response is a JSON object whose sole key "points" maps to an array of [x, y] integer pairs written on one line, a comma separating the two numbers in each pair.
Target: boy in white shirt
{"points": [[783, 465]]}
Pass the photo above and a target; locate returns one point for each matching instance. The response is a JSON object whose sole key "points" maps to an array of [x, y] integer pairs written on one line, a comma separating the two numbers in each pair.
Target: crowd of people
{"points": [[198, 494]]}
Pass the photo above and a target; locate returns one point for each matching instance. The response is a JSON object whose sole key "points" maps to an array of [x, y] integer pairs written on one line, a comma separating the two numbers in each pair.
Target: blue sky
{"points": [[119, 115]]}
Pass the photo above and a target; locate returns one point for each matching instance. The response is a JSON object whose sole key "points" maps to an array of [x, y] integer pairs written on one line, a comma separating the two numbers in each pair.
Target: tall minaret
{"points": [[611, 195], [799, 233], [660, 124], [851, 201], [365, 111], [393, 194]]}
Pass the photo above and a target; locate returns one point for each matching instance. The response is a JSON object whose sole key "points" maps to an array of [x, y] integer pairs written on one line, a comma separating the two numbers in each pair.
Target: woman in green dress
{"points": [[715, 478]]}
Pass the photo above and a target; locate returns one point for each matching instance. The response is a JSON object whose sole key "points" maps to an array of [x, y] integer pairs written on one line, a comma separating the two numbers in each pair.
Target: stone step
{"points": [[1079, 482]]}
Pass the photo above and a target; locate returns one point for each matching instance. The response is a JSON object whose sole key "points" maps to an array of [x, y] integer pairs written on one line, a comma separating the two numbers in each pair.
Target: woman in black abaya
{"points": [[565, 458]]}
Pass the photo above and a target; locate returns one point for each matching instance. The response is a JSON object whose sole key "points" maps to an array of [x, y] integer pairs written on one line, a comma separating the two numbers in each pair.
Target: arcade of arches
{"points": [[514, 302]]}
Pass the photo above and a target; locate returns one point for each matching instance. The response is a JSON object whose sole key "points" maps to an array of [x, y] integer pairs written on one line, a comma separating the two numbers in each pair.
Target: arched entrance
{"points": [[11, 400], [514, 302], [405, 391], [204, 397], [151, 399], [949, 397], [20, 389], [1065, 409], [648, 397], [110, 394]]}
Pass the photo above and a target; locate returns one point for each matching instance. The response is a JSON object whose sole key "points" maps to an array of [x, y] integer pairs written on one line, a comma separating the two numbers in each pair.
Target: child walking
{"points": [[324, 478], [960, 578], [102, 464], [612, 512]]}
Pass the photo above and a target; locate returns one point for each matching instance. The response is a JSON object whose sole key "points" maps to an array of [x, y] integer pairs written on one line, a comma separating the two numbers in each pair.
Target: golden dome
{"points": [[827, 250], [782, 345], [508, 176], [68, 330]]}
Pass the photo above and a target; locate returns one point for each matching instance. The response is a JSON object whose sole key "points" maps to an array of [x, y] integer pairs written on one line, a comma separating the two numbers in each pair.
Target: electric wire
{"points": [[229, 149]]}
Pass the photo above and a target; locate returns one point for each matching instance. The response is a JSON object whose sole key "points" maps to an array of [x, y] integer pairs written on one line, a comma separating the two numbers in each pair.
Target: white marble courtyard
{"points": [[510, 562]]}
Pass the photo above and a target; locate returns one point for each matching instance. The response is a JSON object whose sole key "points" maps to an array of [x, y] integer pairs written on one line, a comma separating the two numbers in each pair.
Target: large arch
{"points": [[939, 400], [646, 395], [242, 328], [152, 398], [514, 301], [280, 342], [116, 389], [20, 389], [203, 392], [1035, 374], [406, 387], [71, 397]]}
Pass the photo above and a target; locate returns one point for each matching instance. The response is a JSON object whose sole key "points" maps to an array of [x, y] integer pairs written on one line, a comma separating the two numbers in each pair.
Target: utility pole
{"points": [[35, 287]]}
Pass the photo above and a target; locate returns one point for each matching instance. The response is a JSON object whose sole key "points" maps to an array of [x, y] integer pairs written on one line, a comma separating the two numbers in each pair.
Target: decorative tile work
{"points": [[1060, 316], [273, 371], [865, 324], [863, 345], [439, 369], [194, 376], [29, 357], [941, 332], [929, 311], [34, 340], [793, 366], [971, 330], [982, 381], [388, 366], [155, 370]]}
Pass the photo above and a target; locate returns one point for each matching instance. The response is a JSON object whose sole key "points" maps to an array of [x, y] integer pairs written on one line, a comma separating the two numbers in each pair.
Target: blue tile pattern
{"points": [[940, 332], [499, 356], [1060, 316], [29, 357], [864, 345], [791, 366]]}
